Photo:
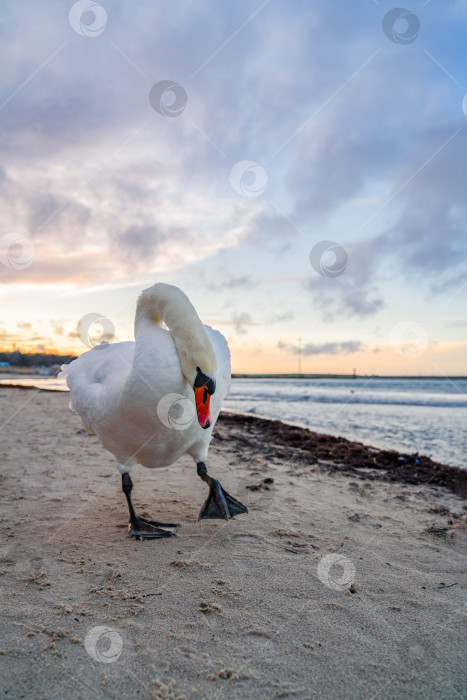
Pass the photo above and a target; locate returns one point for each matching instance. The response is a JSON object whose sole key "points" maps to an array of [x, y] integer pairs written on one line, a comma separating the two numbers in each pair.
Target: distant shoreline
{"points": [[5, 374], [345, 376]]}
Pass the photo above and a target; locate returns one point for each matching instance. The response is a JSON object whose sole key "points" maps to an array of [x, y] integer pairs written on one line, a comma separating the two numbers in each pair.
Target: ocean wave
{"points": [[442, 401]]}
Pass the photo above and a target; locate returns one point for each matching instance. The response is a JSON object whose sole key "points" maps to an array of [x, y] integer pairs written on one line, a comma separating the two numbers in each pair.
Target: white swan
{"points": [[141, 398]]}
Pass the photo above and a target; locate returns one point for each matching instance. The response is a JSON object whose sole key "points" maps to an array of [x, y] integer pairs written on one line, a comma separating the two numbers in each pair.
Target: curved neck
{"points": [[164, 303]]}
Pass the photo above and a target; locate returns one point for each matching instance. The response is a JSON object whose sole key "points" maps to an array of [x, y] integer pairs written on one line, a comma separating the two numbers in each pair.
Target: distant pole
{"points": [[299, 355]]}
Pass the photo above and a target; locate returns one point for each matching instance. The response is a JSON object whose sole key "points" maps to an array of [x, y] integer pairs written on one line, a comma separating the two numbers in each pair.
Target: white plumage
{"points": [[129, 394], [116, 388]]}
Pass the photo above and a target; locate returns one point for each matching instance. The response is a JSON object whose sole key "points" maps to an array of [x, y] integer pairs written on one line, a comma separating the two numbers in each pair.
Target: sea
{"points": [[424, 415]]}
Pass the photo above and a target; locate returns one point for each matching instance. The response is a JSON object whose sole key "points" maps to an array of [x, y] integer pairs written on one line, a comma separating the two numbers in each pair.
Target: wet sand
{"points": [[345, 580]]}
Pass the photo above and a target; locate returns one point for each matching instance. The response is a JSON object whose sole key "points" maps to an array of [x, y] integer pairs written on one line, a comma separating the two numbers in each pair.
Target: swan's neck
{"points": [[164, 303]]}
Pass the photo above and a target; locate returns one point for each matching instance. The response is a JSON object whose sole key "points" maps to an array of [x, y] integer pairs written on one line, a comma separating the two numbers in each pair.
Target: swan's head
{"points": [[199, 365], [204, 387]]}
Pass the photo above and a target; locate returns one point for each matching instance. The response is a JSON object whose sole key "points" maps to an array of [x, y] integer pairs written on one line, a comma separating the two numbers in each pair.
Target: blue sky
{"points": [[358, 140]]}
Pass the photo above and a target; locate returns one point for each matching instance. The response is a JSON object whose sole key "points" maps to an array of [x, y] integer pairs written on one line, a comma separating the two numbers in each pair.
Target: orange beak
{"points": [[203, 398]]}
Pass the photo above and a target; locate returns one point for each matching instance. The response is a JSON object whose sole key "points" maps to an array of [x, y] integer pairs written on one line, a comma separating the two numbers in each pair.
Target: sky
{"points": [[297, 168]]}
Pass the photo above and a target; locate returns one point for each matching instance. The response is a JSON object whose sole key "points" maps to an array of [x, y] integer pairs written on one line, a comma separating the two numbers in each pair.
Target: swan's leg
{"points": [[140, 527], [219, 503]]}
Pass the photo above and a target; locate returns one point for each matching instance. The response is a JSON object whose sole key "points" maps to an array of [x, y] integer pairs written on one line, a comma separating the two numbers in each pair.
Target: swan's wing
{"points": [[96, 377]]}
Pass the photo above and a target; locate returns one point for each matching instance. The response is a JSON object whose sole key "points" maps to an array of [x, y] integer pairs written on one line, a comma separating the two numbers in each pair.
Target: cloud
{"points": [[5, 336], [337, 297], [346, 347], [240, 320], [455, 322], [280, 318], [352, 131], [428, 238], [226, 280], [104, 233], [425, 242], [58, 327]]}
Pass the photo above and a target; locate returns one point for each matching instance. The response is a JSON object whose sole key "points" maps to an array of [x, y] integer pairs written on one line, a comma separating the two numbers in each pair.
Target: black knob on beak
{"points": [[203, 380]]}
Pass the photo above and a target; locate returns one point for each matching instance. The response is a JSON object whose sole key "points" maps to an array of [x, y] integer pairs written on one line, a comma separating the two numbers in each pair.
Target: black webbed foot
{"points": [[139, 527], [156, 523], [142, 529], [219, 504]]}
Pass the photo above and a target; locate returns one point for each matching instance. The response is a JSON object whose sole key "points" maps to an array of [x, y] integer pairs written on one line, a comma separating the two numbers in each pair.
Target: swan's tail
{"points": [[66, 374]]}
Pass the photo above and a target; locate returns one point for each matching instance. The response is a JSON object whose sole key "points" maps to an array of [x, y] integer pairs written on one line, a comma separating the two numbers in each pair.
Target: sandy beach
{"points": [[345, 579]]}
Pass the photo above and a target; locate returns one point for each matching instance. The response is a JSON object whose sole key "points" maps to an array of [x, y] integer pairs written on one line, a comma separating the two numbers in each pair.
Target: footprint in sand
{"points": [[257, 491], [23, 562], [5, 559], [248, 550], [261, 641]]}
